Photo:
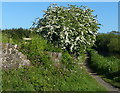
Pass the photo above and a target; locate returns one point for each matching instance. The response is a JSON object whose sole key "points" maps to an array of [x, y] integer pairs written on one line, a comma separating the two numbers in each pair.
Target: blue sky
{"points": [[22, 14]]}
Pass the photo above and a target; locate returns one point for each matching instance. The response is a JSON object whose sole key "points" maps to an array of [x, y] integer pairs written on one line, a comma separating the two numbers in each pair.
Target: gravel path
{"points": [[108, 86]]}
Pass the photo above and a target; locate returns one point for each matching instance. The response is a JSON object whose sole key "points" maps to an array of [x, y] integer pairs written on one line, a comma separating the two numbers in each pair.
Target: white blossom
{"points": [[71, 28], [77, 38]]}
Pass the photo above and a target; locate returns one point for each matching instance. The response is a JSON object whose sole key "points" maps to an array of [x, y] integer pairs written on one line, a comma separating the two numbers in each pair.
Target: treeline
{"points": [[108, 43], [17, 33]]}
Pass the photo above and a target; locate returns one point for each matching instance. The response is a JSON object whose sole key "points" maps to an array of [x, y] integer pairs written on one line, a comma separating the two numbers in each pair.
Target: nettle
{"points": [[72, 28]]}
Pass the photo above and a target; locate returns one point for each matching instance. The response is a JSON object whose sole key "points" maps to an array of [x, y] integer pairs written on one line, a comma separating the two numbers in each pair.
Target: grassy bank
{"points": [[106, 66], [44, 79], [43, 75]]}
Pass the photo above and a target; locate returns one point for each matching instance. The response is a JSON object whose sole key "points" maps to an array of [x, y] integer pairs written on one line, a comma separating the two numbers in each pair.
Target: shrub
{"points": [[108, 43], [72, 28], [34, 50], [67, 60], [104, 65]]}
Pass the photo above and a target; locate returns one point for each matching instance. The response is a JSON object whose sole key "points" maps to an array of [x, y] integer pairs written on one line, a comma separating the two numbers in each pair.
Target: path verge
{"points": [[97, 77]]}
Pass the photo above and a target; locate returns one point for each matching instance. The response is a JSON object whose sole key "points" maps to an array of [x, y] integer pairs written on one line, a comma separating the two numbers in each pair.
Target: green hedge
{"points": [[106, 66]]}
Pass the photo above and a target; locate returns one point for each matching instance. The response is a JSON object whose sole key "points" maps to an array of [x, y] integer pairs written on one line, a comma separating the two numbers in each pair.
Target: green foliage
{"points": [[4, 38], [114, 45], [71, 28], [0, 79], [43, 79], [50, 47], [108, 42], [37, 48], [107, 45], [37, 43], [18, 33], [43, 75], [104, 64], [0, 36], [34, 49], [67, 60], [107, 66], [15, 35]]}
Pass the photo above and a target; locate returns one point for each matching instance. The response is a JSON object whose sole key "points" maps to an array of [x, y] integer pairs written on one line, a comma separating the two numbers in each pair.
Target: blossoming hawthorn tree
{"points": [[72, 28]]}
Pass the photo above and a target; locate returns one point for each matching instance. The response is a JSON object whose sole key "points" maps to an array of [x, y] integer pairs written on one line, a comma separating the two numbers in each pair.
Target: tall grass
{"points": [[107, 66], [104, 64], [44, 79]]}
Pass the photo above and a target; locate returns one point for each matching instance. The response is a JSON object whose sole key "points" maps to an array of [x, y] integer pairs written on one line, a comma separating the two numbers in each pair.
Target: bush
{"points": [[106, 66], [34, 50], [67, 60], [108, 43], [71, 28]]}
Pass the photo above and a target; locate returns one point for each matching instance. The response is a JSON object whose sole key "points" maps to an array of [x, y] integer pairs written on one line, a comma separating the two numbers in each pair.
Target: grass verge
{"points": [[106, 66]]}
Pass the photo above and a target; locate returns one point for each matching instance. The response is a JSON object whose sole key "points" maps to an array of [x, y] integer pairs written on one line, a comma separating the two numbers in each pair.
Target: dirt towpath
{"points": [[108, 86]]}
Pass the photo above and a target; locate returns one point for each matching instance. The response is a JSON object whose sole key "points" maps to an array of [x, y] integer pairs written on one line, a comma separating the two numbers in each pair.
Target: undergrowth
{"points": [[43, 75], [107, 66]]}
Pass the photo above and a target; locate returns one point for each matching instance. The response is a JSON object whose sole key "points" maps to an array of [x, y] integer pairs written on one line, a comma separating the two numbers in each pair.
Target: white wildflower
{"points": [[77, 38]]}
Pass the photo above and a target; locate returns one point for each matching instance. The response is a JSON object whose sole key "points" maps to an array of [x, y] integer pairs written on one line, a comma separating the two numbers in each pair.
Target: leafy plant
{"points": [[42, 79], [107, 66], [108, 43], [71, 28]]}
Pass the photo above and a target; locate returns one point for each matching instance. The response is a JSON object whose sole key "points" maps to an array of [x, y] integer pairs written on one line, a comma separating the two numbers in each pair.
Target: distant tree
{"points": [[115, 32], [108, 42], [114, 45]]}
